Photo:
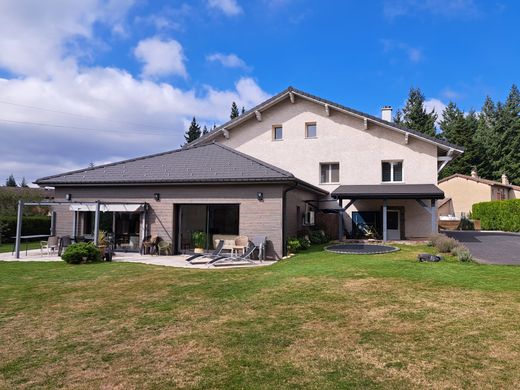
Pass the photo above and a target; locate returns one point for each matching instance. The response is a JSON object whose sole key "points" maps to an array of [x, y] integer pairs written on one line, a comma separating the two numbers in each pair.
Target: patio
{"points": [[178, 261]]}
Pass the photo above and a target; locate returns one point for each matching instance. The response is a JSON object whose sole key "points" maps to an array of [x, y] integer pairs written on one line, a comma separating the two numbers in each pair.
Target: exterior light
{"points": [[260, 196], [157, 196], [68, 197]]}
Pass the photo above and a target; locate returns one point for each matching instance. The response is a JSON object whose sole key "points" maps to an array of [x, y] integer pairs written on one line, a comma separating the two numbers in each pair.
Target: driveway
{"points": [[490, 247]]}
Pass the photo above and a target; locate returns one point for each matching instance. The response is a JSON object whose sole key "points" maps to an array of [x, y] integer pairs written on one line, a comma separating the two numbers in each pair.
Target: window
{"points": [[277, 133], [310, 130], [329, 173], [308, 217], [392, 171]]}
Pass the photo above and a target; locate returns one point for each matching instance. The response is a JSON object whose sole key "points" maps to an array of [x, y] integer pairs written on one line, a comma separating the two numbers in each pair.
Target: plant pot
{"points": [[102, 249], [199, 250], [476, 224]]}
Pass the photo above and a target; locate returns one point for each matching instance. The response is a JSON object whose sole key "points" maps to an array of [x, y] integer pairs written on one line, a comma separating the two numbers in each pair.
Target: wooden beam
{"points": [[365, 123], [406, 138], [225, 133], [327, 109], [291, 96], [258, 116]]}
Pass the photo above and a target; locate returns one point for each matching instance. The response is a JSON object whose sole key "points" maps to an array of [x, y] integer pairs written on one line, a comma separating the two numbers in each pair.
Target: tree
{"points": [[414, 115], [23, 183], [243, 111], [507, 131], [10, 182], [205, 130], [193, 132], [459, 129], [91, 164], [234, 111]]}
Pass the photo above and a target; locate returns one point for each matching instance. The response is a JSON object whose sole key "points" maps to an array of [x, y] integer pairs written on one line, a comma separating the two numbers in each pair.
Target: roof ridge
{"points": [[480, 180], [251, 158]]}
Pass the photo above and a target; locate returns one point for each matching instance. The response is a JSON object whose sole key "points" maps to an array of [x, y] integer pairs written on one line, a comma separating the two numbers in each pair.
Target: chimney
{"points": [[474, 173], [505, 180], [386, 113]]}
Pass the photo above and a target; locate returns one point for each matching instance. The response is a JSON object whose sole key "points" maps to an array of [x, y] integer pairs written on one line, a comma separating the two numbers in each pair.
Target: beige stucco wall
{"points": [[340, 138], [256, 218], [464, 193]]}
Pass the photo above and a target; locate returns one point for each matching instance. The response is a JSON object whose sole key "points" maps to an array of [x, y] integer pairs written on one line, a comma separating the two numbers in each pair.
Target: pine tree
{"points": [[10, 182], [205, 130], [234, 111], [24, 183], [193, 132], [414, 115], [243, 111], [507, 131], [460, 130], [485, 139], [91, 164]]}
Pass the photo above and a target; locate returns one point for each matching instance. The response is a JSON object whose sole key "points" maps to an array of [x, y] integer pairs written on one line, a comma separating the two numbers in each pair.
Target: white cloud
{"points": [[161, 58], [435, 104], [446, 8], [413, 54], [228, 60], [228, 7]]}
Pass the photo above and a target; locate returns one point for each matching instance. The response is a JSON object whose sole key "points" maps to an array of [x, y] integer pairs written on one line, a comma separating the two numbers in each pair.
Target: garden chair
{"points": [[241, 243], [163, 246], [260, 242], [65, 241], [50, 245], [202, 258]]}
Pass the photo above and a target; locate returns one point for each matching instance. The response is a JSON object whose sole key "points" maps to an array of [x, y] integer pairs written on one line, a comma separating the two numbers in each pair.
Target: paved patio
{"points": [[168, 261]]}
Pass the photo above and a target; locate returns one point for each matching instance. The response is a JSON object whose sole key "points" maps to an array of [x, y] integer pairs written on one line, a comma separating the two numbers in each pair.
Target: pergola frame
{"points": [[96, 204]]}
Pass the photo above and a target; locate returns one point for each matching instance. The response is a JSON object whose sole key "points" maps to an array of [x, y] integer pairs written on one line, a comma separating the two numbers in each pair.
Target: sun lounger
{"points": [[203, 258], [233, 259]]}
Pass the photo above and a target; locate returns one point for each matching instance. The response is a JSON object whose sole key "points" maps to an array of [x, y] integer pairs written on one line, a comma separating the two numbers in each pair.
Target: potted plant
{"points": [[199, 241], [102, 243]]}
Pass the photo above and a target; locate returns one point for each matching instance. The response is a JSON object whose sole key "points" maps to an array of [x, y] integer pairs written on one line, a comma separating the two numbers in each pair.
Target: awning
{"points": [[120, 207], [388, 191]]}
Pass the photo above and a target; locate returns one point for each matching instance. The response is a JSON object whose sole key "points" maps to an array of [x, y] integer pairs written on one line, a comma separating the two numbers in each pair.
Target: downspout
{"points": [[284, 212]]}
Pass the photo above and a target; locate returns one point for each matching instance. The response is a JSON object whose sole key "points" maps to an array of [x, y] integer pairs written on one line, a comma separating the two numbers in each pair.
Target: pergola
{"points": [[385, 192], [97, 207]]}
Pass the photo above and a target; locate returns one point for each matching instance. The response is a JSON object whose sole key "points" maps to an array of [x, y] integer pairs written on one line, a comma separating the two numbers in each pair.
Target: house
{"points": [[293, 161], [462, 192]]}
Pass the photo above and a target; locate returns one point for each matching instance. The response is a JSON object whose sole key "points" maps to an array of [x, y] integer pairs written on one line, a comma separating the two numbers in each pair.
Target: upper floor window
{"points": [[277, 133], [392, 171], [310, 130], [329, 173]]}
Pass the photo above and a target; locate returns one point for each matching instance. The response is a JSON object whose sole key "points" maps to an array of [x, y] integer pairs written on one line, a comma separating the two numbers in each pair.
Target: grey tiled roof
{"points": [[202, 164], [286, 91], [388, 191]]}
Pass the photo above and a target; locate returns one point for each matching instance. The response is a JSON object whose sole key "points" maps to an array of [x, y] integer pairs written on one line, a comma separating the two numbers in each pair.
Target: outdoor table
{"points": [[27, 239]]}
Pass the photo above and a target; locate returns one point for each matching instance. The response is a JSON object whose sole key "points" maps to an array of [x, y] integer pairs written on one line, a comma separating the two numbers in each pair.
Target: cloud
{"points": [[445, 8], [228, 7], [437, 105], [161, 58], [228, 60], [413, 54]]}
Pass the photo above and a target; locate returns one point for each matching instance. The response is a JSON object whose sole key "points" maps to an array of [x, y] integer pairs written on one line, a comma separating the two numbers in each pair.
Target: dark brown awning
{"points": [[388, 191]]}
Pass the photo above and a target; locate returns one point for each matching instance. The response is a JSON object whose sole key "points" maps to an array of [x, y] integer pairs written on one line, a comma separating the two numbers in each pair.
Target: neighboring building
{"points": [[291, 162], [462, 192]]}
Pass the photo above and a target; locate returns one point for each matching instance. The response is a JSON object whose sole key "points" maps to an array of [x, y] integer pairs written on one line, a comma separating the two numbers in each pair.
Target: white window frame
{"points": [[330, 172], [308, 216], [307, 124], [273, 133], [392, 163]]}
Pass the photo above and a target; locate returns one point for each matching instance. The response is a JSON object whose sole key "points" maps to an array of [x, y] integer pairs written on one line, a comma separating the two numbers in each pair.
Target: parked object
{"points": [[429, 258], [49, 246], [201, 258]]}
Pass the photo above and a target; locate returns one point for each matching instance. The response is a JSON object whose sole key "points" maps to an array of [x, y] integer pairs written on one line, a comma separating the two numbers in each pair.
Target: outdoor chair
{"points": [[65, 241], [230, 260], [260, 242], [369, 231], [50, 245], [241, 243], [148, 245], [204, 258], [163, 246]]}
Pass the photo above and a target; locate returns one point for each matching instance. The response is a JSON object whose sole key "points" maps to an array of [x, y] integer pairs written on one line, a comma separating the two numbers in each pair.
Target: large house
{"points": [[293, 161], [462, 192]]}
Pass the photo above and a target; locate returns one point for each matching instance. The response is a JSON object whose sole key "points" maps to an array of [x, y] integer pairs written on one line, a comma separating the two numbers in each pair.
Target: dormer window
{"points": [[392, 171]]}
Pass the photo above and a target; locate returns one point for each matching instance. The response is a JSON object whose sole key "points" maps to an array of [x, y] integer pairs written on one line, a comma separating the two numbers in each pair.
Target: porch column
{"points": [[434, 216], [53, 223], [385, 209], [74, 223], [96, 224], [19, 216], [340, 221]]}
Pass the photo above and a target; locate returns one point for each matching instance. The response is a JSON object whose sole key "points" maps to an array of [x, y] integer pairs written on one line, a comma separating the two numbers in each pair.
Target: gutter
{"points": [[284, 212]]}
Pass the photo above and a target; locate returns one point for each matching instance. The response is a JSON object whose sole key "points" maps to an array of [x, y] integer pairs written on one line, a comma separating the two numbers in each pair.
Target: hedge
{"points": [[498, 215], [30, 226]]}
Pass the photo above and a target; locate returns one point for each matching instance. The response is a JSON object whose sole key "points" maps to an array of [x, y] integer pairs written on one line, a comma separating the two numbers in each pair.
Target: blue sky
{"points": [[105, 80]]}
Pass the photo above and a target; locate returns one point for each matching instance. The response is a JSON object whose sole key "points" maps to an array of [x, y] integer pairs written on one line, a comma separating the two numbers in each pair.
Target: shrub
{"points": [[443, 244], [30, 226], [498, 215], [318, 237], [305, 243], [462, 253], [466, 224], [75, 253], [293, 245]]}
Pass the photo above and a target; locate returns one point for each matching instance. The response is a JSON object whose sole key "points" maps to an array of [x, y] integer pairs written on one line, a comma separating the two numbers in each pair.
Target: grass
{"points": [[8, 247], [319, 320]]}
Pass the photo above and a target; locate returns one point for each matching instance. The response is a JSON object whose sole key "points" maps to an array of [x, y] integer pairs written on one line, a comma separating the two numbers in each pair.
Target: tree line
{"points": [[491, 137]]}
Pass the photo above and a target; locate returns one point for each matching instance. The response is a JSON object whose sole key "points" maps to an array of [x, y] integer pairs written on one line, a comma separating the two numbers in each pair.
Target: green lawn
{"points": [[4, 248], [318, 320]]}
